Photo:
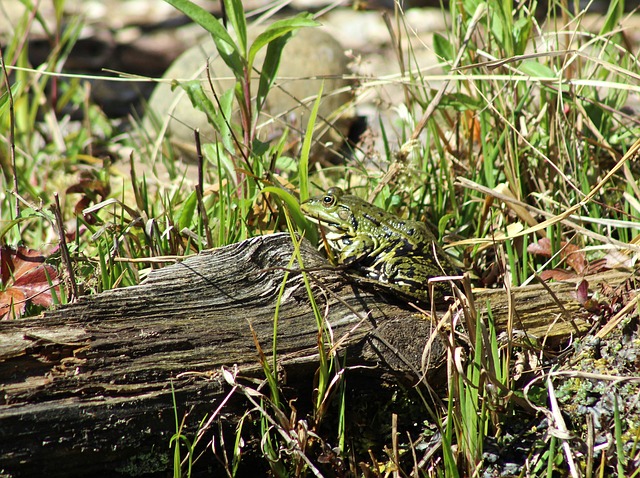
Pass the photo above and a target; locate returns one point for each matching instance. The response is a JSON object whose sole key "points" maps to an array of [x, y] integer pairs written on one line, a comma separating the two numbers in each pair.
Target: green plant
{"points": [[240, 56], [521, 151]]}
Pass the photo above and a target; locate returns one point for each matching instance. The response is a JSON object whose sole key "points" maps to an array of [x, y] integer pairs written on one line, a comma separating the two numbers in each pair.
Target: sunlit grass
{"points": [[522, 133]]}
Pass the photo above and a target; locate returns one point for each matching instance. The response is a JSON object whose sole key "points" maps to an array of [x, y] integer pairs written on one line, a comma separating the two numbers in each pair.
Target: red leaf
{"points": [[14, 263], [582, 292], [25, 278], [570, 253], [37, 283]]}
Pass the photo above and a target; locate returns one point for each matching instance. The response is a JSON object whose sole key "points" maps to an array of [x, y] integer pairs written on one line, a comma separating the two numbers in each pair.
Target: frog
{"points": [[400, 254]]}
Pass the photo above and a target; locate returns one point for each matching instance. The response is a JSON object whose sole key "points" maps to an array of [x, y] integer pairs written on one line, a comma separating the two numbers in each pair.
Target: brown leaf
{"points": [[36, 284], [570, 253], [92, 190], [597, 266], [90, 187], [575, 258], [540, 248], [557, 274], [12, 304]]}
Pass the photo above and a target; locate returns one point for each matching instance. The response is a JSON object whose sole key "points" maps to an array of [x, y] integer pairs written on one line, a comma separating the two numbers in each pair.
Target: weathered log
{"points": [[86, 388]]}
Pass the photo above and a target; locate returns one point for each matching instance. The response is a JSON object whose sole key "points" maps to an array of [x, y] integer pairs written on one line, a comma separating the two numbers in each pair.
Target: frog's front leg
{"points": [[354, 250], [405, 272]]}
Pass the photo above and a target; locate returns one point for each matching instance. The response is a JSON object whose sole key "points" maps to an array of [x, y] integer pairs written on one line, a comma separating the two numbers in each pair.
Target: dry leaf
{"points": [[572, 255], [25, 278], [557, 274]]}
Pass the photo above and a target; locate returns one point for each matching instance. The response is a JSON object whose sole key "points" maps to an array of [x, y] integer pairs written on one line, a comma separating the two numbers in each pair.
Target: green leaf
{"points": [[259, 148], [216, 154], [270, 69], [500, 32], [223, 119], [187, 212], [218, 118], [278, 29], [199, 98], [227, 48], [615, 12], [4, 97], [461, 102], [276, 37], [443, 48], [536, 69], [521, 33], [235, 15], [294, 209]]}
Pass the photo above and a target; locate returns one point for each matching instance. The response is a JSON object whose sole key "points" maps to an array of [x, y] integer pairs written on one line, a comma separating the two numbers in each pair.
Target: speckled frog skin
{"points": [[397, 252]]}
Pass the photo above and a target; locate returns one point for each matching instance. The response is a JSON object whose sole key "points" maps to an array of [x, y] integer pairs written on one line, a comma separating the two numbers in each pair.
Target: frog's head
{"points": [[333, 210]]}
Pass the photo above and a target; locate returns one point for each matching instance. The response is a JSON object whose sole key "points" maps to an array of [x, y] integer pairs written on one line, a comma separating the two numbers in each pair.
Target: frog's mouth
{"points": [[334, 231]]}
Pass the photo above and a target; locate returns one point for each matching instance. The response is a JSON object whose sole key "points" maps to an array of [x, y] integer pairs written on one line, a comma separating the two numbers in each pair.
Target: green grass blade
{"points": [[614, 13], [294, 209], [303, 168]]}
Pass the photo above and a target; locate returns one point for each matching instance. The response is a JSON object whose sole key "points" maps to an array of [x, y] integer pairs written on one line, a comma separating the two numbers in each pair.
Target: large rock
{"points": [[310, 57]]}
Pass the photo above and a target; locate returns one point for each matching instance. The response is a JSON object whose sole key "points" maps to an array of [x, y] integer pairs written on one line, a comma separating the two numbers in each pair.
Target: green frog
{"points": [[399, 253]]}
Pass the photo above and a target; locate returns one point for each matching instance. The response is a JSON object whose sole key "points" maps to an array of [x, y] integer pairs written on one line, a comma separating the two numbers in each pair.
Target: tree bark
{"points": [[87, 388]]}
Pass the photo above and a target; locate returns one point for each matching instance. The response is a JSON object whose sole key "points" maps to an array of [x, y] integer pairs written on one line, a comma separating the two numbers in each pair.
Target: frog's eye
{"points": [[328, 200]]}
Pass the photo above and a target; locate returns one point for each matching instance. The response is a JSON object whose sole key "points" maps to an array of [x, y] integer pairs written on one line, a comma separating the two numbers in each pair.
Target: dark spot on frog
{"points": [[374, 220]]}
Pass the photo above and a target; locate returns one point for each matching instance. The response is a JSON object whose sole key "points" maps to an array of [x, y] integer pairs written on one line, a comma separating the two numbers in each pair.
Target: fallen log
{"points": [[87, 388]]}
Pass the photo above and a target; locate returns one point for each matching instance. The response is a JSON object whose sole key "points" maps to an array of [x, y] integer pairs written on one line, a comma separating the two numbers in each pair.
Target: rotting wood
{"points": [[86, 389]]}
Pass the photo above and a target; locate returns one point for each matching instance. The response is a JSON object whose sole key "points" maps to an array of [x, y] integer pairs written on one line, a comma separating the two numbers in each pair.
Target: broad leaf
{"points": [[443, 48], [536, 69], [218, 119], [278, 29], [235, 15], [225, 45]]}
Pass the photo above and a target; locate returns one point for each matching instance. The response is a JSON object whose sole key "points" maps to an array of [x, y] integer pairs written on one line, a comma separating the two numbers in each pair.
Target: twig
{"points": [[200, 189], [66, 258], [394, 445]]}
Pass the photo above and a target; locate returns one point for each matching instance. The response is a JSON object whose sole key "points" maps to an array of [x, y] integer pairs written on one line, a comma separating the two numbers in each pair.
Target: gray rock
{"points": [[310, 57]]}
